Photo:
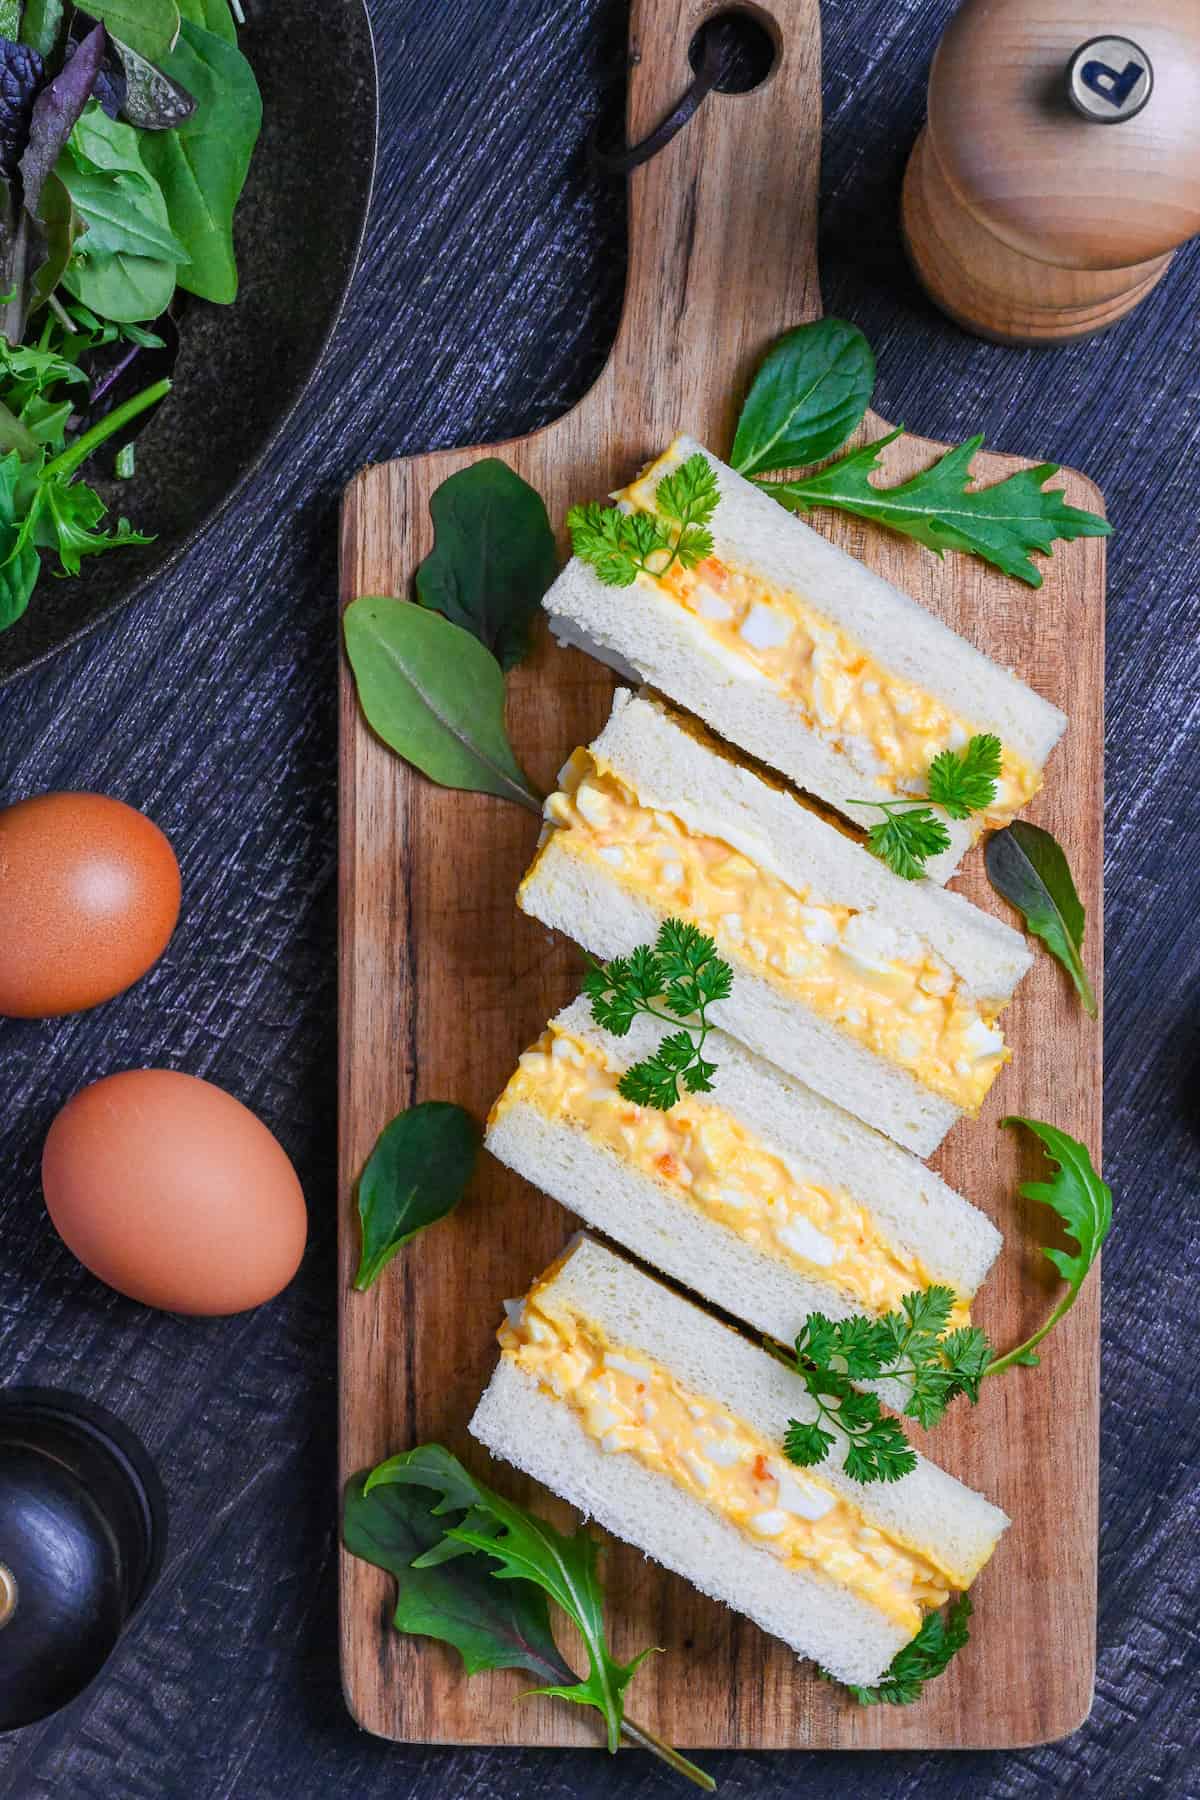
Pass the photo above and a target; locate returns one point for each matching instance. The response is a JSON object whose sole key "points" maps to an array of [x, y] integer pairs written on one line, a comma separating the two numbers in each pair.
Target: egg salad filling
{"points": [[701, 1153], [877, 982], [628, 1403], [892, 727]]}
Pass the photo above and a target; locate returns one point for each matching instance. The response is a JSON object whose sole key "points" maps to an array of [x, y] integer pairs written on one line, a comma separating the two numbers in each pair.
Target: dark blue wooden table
{"points": [[485, 305]]}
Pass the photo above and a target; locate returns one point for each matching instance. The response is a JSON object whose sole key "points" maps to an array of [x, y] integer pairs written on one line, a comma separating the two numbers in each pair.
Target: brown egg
{"points": [[89, 897], [172, 1192]]}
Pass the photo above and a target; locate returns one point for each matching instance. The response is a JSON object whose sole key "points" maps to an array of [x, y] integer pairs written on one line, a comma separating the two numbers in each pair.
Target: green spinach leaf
{"points": [[211, 15], [149, 26], [416, 1175], [10, 20], [41, 25], [202, 165], [125, 265], [810, 392], [435, 696], [493, 557], [1028, 866]]}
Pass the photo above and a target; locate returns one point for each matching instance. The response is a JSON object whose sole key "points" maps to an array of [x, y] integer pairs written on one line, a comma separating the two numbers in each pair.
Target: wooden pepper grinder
{"points": [[1060, 163]]}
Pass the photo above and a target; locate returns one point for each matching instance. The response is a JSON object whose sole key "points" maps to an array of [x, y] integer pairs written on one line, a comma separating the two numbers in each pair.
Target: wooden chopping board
{"points": [[444, 982]]}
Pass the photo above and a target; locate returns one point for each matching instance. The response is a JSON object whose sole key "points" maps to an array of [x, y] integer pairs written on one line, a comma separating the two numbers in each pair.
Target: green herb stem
{"points": [[646, 1740], [1021, 1355], [75, 455]]}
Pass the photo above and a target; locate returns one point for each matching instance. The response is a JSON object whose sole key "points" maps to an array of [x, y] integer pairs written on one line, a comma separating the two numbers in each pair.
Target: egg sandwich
{"points": [[666, 1426], [880, 993], [760, 1195], [799, 654]]}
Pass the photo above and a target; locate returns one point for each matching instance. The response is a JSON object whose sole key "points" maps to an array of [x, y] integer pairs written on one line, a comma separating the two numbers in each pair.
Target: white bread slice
{"points": [[917, 1211], [518, 1420], [670, 767], [641, 629]]}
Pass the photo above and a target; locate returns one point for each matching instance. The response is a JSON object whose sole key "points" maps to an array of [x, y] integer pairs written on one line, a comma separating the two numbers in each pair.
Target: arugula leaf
{"points": [[435, 696], [19, 562], [811, 390], [906, 837], [202, 165], [940, 1638], [492, 1624], [449, 1590], [1029, 868], [67, 521], [1084, 1204], [684, 971], [416, 1175], [964, 782], [1001, 523], [150, 26], [493, 557], [621, 545]]}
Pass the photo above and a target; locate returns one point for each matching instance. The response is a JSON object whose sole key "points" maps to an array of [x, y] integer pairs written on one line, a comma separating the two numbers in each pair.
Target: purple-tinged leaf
{"points": [[22, 77], [56, 114]]}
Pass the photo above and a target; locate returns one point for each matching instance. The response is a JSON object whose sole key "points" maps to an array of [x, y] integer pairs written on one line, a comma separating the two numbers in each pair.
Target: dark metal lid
{"points": [[82, 1532]]}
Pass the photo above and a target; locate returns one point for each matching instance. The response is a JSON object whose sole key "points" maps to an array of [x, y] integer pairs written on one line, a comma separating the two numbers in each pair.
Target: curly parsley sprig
{"points": [[682, 971], [960, 782], [622, 545], [912, 1345], [941, 1637]]}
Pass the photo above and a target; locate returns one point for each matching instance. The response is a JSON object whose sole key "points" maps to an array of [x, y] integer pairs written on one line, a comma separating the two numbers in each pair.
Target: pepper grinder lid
{"points": [[82, 1529], [1072, 131]]}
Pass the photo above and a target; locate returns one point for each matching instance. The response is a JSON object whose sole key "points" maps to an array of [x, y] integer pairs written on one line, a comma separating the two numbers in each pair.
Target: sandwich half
{"points": [[801, 655], [880, 993], [667, 1427], [761, 1196]]}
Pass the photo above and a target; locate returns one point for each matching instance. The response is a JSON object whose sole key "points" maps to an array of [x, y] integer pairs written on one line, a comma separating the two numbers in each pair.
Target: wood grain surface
{"points": [[443, 982]]}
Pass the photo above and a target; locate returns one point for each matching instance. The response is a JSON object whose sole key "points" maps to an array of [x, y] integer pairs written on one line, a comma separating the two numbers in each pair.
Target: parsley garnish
{"points": [[912, 1345], [621, 545], [941, 1636], [684, 972], [960, 782]]}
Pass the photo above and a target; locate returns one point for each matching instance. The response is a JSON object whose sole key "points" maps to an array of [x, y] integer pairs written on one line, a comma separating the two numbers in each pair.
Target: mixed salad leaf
{"points": [[126, 132]]}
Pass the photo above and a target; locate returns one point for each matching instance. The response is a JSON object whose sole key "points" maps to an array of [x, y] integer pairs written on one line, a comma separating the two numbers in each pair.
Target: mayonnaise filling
{"points": [[631, 1405], [701, 1153], [877, 982]]}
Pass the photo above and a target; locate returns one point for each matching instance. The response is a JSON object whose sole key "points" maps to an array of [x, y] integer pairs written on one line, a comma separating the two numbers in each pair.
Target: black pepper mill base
{"points": [[82, 1532]]}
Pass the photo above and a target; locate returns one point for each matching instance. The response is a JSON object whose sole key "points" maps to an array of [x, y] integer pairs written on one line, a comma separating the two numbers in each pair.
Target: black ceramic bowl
{"points": [[242, 368]]}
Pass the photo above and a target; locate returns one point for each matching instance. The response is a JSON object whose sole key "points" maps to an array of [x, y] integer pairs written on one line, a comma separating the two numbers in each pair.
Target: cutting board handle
{"points": [[723, 222]]}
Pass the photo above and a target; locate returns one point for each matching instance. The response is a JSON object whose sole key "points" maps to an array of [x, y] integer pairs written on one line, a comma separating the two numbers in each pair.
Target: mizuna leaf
{"points": [[1001, 523], [812, 388], [493, 557], [1029, 868], [435, 696], [416, 1175]]}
